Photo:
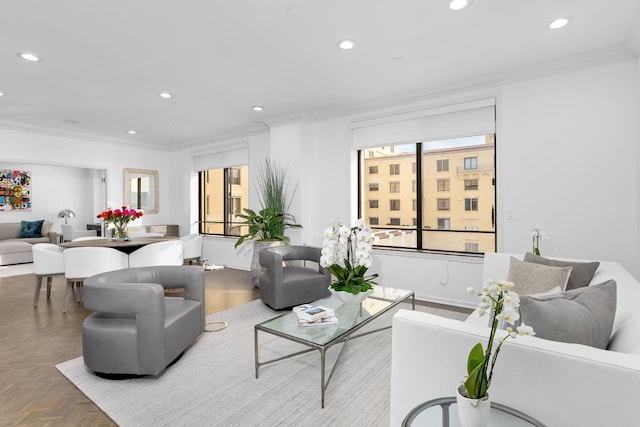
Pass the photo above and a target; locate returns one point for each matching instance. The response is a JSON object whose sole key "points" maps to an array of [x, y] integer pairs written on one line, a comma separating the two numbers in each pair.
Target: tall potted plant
{"points": [[267, 227]]}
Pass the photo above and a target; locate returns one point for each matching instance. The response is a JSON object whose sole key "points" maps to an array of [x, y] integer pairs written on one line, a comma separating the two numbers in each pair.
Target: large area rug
{"points": [[214, 383]]}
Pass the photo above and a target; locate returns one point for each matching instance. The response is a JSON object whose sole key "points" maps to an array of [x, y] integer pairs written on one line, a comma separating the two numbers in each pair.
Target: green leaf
{"points": [[476, 357], [476, 383]]}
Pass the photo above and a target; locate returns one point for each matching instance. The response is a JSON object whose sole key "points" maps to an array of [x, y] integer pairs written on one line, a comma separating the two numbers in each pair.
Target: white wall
{"points": [[53, 189], [61, 152]]}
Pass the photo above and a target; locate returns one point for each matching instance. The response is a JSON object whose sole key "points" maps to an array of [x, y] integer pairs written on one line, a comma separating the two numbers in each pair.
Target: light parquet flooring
{"points": [[33, 341]]}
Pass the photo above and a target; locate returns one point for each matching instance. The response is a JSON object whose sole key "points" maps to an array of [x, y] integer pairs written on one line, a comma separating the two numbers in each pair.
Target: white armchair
{"points": [[192, 244], [169, 252]]}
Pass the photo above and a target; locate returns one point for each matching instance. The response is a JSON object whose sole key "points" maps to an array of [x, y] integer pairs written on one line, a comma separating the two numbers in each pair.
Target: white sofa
{"points": [[560, 384]]}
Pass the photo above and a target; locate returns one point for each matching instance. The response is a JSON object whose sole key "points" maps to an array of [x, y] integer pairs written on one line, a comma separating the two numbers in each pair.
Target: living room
{"points": [[567, 138]]}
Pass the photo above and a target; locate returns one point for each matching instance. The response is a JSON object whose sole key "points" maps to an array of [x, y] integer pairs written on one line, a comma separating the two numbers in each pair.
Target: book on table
{"points": [[330, 320], [311, 312]]}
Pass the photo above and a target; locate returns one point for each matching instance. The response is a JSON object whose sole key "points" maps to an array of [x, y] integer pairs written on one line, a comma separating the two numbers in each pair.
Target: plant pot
{"points": [[349, 298], [473, 412], [255, 268]]}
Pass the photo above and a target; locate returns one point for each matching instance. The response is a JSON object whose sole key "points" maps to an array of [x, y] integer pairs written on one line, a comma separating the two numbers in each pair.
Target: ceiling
{"points": [[103, 63]]}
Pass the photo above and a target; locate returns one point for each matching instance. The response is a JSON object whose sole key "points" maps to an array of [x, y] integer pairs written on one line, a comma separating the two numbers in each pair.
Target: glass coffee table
{"points": [[444, 412], [351, 318]]}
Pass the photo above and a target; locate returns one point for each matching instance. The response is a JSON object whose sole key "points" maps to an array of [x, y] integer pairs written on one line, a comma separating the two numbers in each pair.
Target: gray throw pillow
{"points": [[580, 276], [532, 278], [583, 316]]}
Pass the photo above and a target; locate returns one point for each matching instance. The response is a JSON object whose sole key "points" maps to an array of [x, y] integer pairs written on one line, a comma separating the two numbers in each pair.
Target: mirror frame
{"points": [[155, 183]]}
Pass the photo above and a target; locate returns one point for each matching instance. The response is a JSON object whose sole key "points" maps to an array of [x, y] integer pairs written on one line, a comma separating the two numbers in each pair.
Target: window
{"points": [[373, 186], [443, 204], [394, 221], [394, 169], [373, 169], [470, 184], [373, 203], [224, 194], [443, 165], [470, 163], [235, 176], [438, 214], [471, 247], [414, 167], [444, 224], [373, 220]]}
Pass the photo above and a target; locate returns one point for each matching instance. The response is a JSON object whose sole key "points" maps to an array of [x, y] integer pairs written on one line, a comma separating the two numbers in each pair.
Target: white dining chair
{"points": [[47, 262], [192, 248], [80, 263], [169, 252]]}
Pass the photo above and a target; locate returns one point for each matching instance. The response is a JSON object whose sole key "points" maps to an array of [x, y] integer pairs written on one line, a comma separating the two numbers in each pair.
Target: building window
{"points": [[443, 204], [236, 174], [470, 163], [373, 186], [471, 247], [443, 185], [414, 166], [438, 214], [373, 203], [373, 170], [394, 169], [470, 184], [471, 204], [444, 224], [224, 194], [373, 220]]}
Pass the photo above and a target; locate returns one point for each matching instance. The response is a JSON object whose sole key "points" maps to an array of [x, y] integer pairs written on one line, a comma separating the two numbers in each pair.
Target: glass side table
{"points": [[444, 411]]}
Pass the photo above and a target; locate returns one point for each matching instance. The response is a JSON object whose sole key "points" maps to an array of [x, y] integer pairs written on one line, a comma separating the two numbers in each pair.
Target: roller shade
{"points": [[224, 157], [453, 121]]}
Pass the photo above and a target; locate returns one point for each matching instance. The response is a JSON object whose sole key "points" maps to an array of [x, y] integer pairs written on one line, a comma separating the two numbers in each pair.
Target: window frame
{"points": [[228, 202]]}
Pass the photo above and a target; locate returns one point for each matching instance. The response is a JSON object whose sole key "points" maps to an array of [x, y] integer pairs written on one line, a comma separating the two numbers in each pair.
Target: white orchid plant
{"points": [[501, 302], [346, 252], [538, 234]]}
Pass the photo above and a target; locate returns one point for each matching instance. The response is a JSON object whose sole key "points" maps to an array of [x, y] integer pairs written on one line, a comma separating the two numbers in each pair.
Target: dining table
{"points": [[126, 246]]}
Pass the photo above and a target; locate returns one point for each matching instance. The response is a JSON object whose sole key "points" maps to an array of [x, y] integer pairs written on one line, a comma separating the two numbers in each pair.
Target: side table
{"points": [[444, 411]]}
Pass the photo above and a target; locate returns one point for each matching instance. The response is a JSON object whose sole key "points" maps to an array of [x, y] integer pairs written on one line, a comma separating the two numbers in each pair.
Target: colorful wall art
{"points": [[15, 190]]}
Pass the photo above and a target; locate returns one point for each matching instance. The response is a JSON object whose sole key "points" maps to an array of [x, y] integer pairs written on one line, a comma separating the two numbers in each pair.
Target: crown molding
{"points": [[41, 130]]}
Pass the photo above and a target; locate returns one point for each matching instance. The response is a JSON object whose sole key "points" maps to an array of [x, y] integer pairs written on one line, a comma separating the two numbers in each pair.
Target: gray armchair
{"points": [[135, 329], [300, 279]]}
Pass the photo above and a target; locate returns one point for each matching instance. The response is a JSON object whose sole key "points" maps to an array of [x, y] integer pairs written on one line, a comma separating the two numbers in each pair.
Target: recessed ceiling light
{"points": [[346, 44], [459, 4], [131, 132], [257, 107], [28, 57], [1, 93], [559, 23], [165, 95]]}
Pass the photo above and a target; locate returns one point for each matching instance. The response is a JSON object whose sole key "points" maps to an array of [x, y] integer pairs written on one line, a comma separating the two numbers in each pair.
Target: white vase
{"points": [[349, 298], [473, 412]]}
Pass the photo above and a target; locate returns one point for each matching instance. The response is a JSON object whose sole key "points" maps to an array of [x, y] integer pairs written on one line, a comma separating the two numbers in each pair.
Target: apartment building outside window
{"points": [[373, 220], [373, 204], [224, 193], [373, 186], [415, 205], [373, 169]]}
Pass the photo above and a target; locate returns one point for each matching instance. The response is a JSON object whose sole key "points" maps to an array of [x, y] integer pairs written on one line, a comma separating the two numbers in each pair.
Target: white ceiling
{"points": [[104, 62]]}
